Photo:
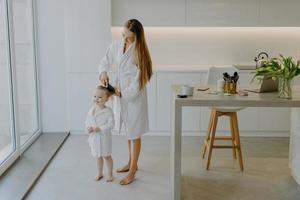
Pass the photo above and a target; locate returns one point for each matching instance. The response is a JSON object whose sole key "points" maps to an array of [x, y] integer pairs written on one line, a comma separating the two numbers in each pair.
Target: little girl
{"points": [[99, 123]]}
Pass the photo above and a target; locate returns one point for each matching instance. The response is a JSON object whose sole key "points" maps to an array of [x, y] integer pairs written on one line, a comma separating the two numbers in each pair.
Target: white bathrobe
{"points": [[100, 142], [131, 109]]}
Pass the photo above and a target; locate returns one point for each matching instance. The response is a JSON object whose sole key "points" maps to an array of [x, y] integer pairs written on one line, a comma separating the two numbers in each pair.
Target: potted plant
{"points": [[283, 69]]}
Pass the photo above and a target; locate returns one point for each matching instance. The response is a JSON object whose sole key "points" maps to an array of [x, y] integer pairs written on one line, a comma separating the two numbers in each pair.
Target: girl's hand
{"points": [[117, 92], [104, 79], [96, 129], [90, 129]]}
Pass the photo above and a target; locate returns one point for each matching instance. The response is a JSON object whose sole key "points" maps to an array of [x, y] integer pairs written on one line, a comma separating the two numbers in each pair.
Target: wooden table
{"points": [[202, 98]]}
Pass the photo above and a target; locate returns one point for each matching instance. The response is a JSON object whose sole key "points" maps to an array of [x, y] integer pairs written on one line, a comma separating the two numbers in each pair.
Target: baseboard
{"points": [[202, 133]]}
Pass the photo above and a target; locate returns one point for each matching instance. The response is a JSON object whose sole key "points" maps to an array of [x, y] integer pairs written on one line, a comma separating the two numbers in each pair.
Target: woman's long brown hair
{"points": [[141, 52]]}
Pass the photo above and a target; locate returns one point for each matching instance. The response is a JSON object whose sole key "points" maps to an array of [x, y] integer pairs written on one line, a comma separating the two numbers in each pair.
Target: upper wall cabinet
{"points": [[280, 13], [208, 13], [222, 13], [150, 13]]}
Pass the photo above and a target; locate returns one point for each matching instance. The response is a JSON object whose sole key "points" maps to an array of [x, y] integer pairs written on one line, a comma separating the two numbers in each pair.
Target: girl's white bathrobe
{"points": [[132, 108], [100, 142]]}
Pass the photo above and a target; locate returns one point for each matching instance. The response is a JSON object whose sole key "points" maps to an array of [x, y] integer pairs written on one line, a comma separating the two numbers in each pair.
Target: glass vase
{"points": [[284, 88]]}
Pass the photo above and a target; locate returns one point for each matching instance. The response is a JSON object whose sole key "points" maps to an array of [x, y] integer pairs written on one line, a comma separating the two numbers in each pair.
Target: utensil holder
{"points": [[230, 87]]}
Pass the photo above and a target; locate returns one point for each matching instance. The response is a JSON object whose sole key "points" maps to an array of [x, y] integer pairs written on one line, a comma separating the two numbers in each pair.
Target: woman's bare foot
{"points": [[98, 177], [124, 169], [127, 179], [109, 179]]}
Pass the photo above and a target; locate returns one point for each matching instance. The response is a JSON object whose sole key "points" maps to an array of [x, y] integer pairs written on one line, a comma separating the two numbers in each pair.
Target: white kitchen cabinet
{"points": [[280, 13], [191, 116], [262, 119], [208, 13], [248, 118], [241, 13], [151, 93], [274, 119], [150, 13]]}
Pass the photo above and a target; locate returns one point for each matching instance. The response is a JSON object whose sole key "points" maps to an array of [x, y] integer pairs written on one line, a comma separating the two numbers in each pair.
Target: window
{"points": [[7, 135], [19, 107], [25, 69]]}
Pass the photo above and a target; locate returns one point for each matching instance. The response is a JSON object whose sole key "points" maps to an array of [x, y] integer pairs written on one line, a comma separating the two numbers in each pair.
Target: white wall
{"points": [[217, 46], [52, 64], [72, 36], [87, 37]]}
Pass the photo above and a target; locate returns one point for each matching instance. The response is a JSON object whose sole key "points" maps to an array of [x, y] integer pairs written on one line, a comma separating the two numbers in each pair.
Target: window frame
{"points": [[18, 150]]}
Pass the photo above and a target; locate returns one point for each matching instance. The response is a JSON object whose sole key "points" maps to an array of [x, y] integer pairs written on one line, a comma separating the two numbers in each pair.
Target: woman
{"points": [[134, 70]]}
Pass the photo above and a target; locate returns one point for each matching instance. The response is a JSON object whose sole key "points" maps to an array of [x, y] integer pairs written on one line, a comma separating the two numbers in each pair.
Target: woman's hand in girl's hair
{"points": [[117, 92], [90, 129], [96, 129], [104, 79]]}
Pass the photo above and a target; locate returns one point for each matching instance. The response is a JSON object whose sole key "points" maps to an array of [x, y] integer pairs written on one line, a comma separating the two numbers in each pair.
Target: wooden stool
{"points": [[211, 136]]}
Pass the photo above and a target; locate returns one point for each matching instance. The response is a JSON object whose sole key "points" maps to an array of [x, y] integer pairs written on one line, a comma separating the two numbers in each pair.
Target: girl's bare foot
{"points": [[127, 179], [98, 177], [124, 169], [109, 179]]}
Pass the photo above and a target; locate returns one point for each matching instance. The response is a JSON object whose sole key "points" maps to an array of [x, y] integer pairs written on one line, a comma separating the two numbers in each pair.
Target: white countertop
{"points": [[197, 68], [252, 100]]}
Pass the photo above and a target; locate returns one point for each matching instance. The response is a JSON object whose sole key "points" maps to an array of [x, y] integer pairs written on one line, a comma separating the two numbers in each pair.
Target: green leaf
{"points": [[279, 67]]}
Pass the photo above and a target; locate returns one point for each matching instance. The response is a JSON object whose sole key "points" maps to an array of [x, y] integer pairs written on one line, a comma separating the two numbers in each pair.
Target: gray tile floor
{"points": [[18, 179], [266, 176]]}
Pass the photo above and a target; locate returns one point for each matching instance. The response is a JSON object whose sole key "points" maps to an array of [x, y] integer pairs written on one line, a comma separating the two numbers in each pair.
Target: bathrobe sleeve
{"points": [[109, 58], [130, 92], [110, 123]]}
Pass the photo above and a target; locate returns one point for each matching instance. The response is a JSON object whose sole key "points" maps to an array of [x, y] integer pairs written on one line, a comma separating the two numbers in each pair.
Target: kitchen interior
{"points": [[186, 38]]}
